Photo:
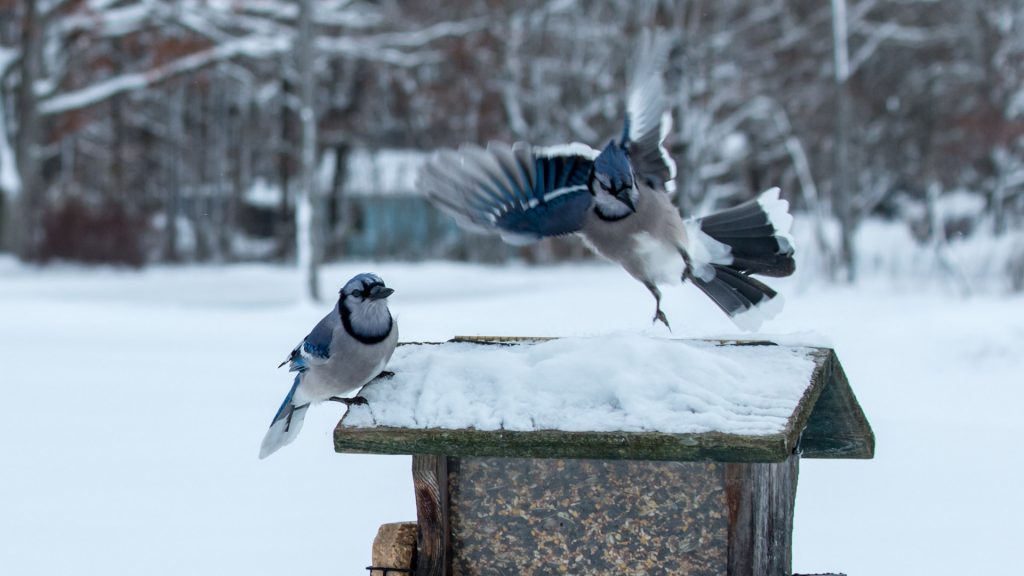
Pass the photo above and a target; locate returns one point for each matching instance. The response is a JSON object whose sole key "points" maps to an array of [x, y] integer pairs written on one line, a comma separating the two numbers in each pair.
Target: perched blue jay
{"points": [[345, 350], [619, 201]]}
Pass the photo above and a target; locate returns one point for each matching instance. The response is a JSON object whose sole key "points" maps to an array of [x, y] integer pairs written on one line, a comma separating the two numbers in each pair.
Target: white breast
{"points": [[661, 262]]}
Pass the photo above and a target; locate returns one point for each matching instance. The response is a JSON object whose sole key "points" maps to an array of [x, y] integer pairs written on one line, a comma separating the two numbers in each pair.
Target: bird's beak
{"points": [[380, 292], [623, 197]]}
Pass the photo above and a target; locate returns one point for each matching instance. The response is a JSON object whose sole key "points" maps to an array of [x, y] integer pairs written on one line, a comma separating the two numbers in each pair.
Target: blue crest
{"points": [[612, 167], [361, 281]]}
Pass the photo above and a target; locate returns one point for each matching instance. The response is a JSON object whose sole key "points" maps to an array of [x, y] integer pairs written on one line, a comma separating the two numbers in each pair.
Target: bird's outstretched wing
{"points": [[314, 349], [648, 120], [521, 192]]}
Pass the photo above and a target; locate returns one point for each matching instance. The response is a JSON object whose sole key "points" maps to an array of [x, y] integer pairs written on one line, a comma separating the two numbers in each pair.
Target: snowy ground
{"points": [[135, 404]]}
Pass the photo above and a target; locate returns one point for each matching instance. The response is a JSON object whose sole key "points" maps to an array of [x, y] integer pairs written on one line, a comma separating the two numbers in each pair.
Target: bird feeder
{"points": [[713, 492]]}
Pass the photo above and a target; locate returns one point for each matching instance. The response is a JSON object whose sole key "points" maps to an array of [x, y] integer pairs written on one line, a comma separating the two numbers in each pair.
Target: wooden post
{"points": [[761, 499], [394, 548], [430, 480]]}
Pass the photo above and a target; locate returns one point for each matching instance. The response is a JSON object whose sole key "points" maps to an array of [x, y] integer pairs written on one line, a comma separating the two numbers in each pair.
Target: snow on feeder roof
{"points": [[611, 397]]}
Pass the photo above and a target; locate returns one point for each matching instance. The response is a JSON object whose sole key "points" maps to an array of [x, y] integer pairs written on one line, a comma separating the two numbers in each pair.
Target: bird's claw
{"points": [[353, 401], [659, 315]]}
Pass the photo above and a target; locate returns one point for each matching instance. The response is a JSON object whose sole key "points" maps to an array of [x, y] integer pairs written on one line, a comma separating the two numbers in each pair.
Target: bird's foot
{"points": [[659, 315], [385, 374], [353, 401]]}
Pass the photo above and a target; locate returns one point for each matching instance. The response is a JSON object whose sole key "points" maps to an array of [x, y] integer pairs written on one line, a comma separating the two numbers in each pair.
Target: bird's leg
{"points": [[353, 401], [658, 314]]}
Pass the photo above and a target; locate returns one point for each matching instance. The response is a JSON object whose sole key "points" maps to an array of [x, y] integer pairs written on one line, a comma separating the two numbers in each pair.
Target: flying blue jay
{"points": [[619, 201], [346, 349]]}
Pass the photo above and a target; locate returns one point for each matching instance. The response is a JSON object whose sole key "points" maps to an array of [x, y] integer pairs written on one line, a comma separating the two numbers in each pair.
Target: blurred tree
{"points": [[193, 115]]}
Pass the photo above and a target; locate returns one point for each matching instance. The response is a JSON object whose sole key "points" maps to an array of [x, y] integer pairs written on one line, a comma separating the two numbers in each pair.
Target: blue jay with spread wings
{"points": [[346, 349], [618, 200]]}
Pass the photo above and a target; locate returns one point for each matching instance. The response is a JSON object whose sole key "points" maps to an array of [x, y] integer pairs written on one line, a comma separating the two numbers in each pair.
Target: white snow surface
{"points": [[136, 402], [623, 382]]}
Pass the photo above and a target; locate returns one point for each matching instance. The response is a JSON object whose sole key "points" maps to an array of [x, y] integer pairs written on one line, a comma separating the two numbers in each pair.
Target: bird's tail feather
{"points": [[757, 232], [286, 423], [746, 300]]}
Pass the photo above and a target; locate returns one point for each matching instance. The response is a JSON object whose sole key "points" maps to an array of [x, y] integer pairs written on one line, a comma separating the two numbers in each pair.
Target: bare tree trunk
{"points": [[243, 163], [808, 189], [842, 188], [10, 188], [222, 188], [689, 189], [173, 168], [120, 193], [199, 193], [283, 227], [306, 228], [24, 211], [998, 204], [337, 208]]}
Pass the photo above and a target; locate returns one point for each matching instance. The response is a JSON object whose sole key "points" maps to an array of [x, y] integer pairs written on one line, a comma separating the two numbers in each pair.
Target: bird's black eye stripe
{"points": [[369, 287]]}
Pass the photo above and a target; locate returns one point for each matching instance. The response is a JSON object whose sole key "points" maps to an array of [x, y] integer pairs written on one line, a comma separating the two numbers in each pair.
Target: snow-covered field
{"points": [[135, 404]]}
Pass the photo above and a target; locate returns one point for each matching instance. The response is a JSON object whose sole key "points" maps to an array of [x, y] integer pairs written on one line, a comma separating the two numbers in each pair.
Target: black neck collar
{"points": [[346, 321], [597, 208], [607, 218]]}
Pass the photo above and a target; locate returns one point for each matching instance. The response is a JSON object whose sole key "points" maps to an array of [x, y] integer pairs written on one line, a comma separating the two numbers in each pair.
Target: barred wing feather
{"points": [[521, 192]]}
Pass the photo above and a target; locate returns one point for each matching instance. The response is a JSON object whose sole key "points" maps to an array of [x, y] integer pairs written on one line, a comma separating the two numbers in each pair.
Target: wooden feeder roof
{"points": [[826, 421]]}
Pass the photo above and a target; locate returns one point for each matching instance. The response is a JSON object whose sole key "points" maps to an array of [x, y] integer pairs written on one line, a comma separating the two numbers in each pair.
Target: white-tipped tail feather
{"points": [[752, 318], [748, 301], [757, 239], [779, 217], [287, 422], [284, 430]]}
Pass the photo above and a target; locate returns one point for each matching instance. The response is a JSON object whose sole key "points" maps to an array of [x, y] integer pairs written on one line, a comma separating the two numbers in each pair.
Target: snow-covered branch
{"points": [[881, 33], [251, 47], [112, 22], [364, 46]]}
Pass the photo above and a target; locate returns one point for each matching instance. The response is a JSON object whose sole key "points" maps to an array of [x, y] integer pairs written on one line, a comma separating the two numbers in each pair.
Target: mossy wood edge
{"points": [[827, 423]]}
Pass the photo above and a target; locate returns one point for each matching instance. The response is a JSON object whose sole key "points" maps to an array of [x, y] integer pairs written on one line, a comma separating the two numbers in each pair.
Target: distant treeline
{"points": [[138, 131]]}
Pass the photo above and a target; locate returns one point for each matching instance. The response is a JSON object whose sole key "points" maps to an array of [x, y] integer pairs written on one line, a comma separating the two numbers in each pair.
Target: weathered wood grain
{"points": [[761, 499], [708, 446], [837, 426], [430, 481], [394, 546]]}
